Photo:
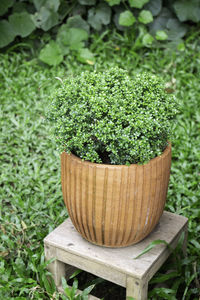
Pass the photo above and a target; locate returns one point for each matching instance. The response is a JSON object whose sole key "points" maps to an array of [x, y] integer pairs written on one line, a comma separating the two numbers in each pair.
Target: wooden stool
{"points": [[114, 264]]}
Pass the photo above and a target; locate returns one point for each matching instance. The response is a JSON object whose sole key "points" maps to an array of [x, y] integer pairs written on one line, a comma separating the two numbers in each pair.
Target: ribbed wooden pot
{"points": [[115, 205]]}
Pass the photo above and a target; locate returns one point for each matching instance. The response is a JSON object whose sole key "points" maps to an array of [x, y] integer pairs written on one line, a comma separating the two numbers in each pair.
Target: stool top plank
{"points": [[122, 260]]}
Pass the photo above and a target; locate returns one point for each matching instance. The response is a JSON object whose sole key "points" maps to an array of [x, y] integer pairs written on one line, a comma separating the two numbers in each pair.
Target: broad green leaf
{"points": [[100, 15], [145, 17], [161, 35], [87, 2], [103, 13], [7, 34], [187, 10], [71, 38], [126, 18], [19, 7], [51, 54], [151, 246], [147, 39], [78, 22], [45, 19], [22, 23], [154, 6], [86, 56], [53, 5], [4, 6], [49, 4], [76, 36], [113, 2], [39, 3], [176, 29], [93, 20], [160, 22], [137, 3]]}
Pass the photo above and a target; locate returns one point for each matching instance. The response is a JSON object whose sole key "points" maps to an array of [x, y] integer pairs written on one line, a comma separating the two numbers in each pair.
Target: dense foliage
{"points": [[111, 117], [70, 23]]}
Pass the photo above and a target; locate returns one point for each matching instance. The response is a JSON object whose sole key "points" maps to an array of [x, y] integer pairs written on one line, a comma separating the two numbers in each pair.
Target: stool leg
{"points": [[136, 289], [57, 268]]}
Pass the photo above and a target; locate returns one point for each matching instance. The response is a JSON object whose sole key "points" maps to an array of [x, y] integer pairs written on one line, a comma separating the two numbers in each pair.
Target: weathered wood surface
{"points": [[69, 243], [114, 264], [115, 205]]}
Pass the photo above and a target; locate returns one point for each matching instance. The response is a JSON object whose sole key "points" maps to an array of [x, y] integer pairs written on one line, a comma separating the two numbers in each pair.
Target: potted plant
{"points": [[113, 132]]}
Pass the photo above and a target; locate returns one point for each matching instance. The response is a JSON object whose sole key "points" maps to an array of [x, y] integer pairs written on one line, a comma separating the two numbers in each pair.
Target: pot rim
{"points": [[99, 165]]}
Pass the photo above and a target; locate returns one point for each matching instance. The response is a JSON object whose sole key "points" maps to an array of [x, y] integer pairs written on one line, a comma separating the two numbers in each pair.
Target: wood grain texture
{"points": [[115, 205]]}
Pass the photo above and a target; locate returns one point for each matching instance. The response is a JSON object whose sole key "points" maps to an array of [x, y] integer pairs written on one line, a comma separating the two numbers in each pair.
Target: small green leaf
{"points": [[7, 34], [86, 56], [51, 54], [145, 17], [161, 35], [187, 10], [22, 23], [137, 3], [126, 18], [4, 6], [147, 39], [151, 246]]}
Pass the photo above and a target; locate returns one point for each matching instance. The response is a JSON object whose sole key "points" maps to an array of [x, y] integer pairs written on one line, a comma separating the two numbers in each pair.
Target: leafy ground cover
{"points": [[31, 200]]}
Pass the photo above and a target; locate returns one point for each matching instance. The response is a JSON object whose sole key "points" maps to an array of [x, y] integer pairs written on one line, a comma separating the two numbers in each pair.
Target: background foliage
{"points": [[67, 25]]}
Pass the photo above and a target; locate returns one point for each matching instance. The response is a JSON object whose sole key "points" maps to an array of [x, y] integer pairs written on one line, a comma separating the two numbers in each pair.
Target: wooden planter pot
{"points": [[115, 205]]}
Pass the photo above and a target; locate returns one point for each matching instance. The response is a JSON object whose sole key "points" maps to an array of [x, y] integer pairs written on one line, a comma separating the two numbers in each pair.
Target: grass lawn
{"points": [[30, 195]]}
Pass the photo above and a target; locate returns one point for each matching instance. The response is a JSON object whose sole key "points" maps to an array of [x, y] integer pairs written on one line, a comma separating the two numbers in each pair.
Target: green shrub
{"points": [[112, 118]]}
